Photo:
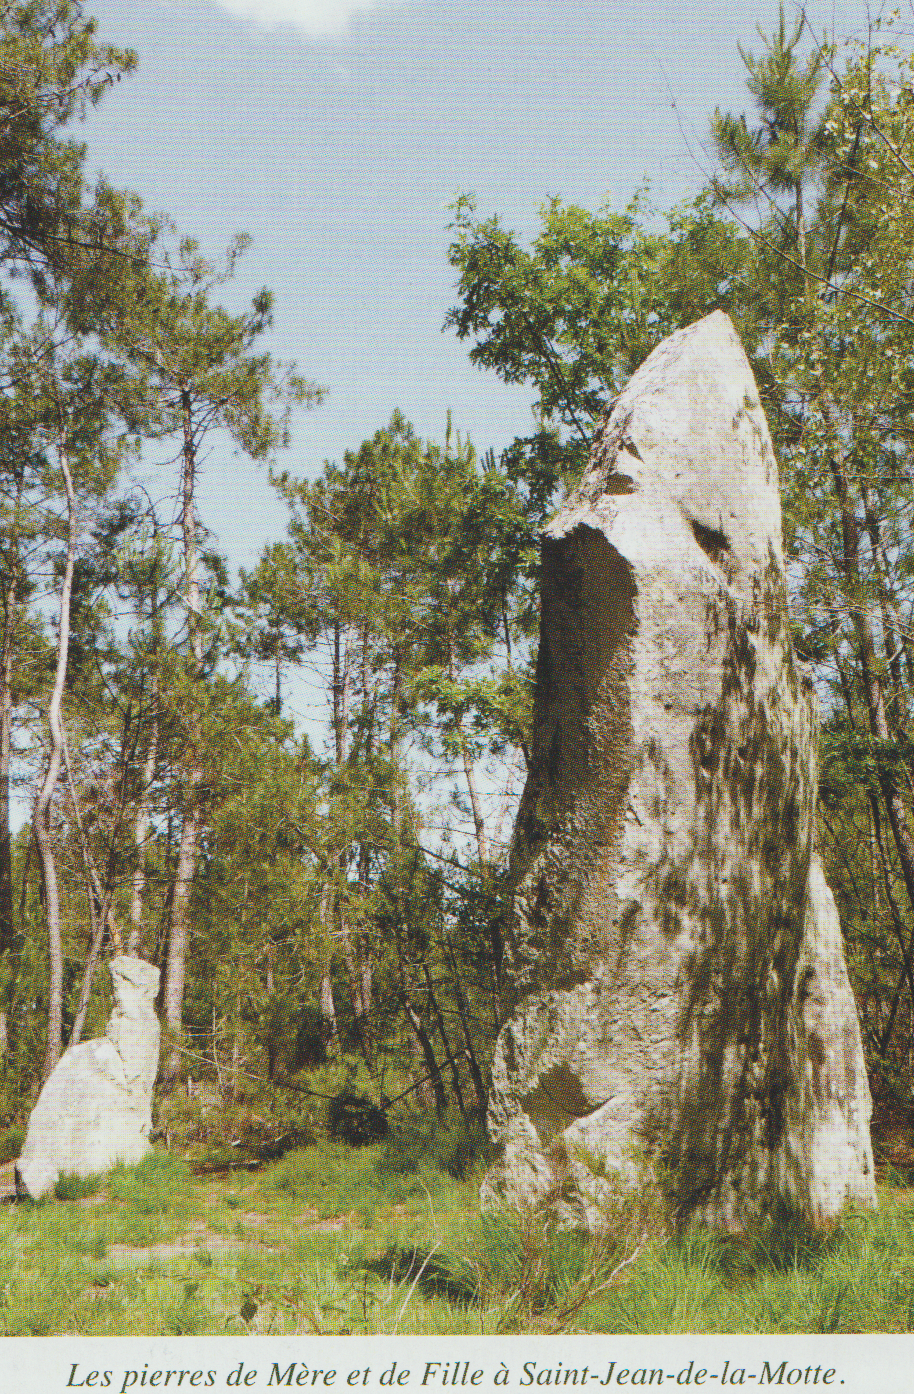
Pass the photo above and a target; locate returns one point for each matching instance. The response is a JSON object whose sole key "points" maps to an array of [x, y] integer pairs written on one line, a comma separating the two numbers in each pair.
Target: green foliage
{"points": [[578, 312], [777, 154], [71, 1186], [11, 1140], [191, 355], [554, 315], [52, 69], [348, 904], [454, 1146]]}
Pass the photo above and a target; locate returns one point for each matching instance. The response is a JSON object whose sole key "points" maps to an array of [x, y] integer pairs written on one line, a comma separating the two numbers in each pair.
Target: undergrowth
{"points": [[389, 1238]]}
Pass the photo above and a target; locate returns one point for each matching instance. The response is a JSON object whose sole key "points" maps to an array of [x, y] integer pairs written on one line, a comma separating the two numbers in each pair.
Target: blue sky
{"points": [[336, 133]]}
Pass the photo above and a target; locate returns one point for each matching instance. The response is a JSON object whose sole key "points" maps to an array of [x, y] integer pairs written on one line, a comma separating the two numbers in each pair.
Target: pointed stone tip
{"points": [[688, 427], [137, 971], [718, 317], [715, 334]]}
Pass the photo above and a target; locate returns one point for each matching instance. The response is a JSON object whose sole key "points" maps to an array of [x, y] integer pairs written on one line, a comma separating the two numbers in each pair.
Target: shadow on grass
{"points": [[781, 1243], [434, 1273]]}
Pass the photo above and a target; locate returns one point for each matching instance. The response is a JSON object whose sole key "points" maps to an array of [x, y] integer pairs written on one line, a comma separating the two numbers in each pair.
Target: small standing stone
{"points": [[95, 1110]]}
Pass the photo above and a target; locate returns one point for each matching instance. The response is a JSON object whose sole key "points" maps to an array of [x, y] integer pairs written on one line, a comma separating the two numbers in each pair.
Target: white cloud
{"points": [[310, 16]]}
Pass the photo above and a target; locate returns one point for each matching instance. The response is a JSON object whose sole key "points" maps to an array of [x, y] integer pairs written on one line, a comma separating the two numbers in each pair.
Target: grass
{"points": [[71, 1186], [858, 1276], [388, 1238]]}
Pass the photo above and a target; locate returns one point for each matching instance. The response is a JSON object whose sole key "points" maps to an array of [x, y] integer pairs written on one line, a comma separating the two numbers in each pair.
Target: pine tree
{"points": [[199, 372]]}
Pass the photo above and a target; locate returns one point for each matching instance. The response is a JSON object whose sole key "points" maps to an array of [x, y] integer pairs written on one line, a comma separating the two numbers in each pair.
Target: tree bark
{"points": [[41, 815], [329, 1027], [341, 666], [464, 1014], [193, 766], [906, 973], [354, 978], [482, 846], [445, 1040], [141, 827], [428, 1053], [468, 770], [101, 897], [359, 984], [10, 600]]}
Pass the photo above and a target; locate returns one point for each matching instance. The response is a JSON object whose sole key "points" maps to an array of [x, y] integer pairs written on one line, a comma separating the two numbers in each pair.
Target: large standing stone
{"points": [[96, 1108], [674, 953]]}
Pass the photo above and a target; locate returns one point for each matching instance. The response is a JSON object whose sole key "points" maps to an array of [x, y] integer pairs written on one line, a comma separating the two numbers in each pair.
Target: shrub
{"points": [[354, 1119], [457, 1150], [257, 1125], [450, 1145], [11, 1143], [71, 1186]]}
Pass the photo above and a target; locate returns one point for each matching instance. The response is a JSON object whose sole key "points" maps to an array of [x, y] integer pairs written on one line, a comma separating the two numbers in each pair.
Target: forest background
{"points": [[327, 898]]}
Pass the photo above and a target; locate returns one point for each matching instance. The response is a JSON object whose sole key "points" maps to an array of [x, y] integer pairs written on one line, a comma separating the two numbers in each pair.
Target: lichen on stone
{"points": [[676, 971]]}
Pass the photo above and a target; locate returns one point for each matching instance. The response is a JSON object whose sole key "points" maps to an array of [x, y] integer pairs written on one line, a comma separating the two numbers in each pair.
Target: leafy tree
{"points": [[805, 238], [576, 314], [51, 70], [18, 537], [410, 553], [784, 153], [841, 349]]}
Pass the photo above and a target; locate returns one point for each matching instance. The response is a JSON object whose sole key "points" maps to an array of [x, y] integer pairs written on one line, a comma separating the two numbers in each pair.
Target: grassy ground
{"points": [[388, 1238]]}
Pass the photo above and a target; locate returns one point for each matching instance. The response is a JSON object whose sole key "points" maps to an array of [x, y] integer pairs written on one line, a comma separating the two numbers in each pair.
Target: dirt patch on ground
{"points": [[329, 1226], [179, 1248], [199, 1240]]}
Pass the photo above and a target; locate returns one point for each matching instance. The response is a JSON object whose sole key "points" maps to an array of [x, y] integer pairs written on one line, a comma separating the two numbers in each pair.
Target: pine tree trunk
{"points": [[482, 847], [342, 674], [356, 988], [423, 1088], [41, 816], [100, 898], [445, 1041], [329, 1029], [192, 771], [9, 597], [10, 606], [141, 829], [341, 666], [366, 968], [433, 1073], [479, 1087]]}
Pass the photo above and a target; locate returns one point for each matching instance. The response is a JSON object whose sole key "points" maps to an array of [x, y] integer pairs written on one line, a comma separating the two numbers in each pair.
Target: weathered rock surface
{"points": [[96, 1108], [674, 955]]}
